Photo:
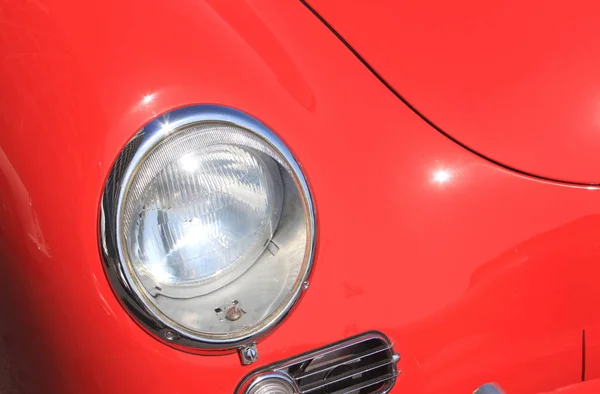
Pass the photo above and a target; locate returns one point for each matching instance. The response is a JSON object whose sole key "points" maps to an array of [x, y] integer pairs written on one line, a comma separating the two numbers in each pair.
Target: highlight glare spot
{"points": [[148, 98], [442, 176], [189, 163]]}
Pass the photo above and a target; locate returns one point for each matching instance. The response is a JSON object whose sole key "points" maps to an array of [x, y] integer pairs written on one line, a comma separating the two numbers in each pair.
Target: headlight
{"points": [[207, 228]]}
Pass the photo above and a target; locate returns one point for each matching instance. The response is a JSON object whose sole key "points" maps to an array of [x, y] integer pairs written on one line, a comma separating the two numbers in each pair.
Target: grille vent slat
{"points": [[351, 373], [366, 384], [366, 353], [362, 365]]}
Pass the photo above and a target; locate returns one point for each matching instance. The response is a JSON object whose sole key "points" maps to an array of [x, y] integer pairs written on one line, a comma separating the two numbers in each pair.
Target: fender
{"points": [[475, 273]]}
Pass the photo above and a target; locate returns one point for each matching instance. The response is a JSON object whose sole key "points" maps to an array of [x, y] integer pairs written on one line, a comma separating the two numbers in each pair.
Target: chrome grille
{"points": [[360, 365]]}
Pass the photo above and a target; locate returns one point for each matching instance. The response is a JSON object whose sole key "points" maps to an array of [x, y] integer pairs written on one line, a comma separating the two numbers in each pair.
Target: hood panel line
{"points": [[429, 122]]}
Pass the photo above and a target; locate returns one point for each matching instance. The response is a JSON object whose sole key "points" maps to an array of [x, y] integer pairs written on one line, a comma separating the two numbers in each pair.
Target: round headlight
{"points": [[207, 227]]}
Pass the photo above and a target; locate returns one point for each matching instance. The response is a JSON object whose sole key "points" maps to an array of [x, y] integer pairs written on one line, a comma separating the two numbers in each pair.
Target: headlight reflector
{"points": [[207, 223]]}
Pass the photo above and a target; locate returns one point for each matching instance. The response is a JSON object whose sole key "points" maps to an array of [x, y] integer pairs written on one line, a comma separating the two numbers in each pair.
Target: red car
{"points": [[314, 196]]}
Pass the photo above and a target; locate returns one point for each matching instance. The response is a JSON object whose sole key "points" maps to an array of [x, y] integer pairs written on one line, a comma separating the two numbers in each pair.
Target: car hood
{"points": [[516, 82]]}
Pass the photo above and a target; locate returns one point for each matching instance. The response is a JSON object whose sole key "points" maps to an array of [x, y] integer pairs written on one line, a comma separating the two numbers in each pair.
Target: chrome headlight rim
{"points": [[127, 163]]}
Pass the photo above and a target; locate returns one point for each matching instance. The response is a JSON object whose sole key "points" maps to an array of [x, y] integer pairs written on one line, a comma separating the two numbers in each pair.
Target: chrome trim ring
{"points": [[111, 204], [262, 377]]}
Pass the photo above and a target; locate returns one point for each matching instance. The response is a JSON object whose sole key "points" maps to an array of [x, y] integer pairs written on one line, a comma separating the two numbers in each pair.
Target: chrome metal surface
{"points": [[248, 354], [130, 158], [260, 379], [170, 336], [363, 364], [489, 388], [233, 313]]}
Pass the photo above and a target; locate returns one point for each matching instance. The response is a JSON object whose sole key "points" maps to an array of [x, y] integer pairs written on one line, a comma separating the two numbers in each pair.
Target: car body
{"points": [[475, 257]]}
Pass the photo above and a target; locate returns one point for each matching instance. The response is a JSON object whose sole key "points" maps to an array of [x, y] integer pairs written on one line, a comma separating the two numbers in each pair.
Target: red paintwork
{"points": [[591, 387], [490, 276], [592, 340], [516, 81]]}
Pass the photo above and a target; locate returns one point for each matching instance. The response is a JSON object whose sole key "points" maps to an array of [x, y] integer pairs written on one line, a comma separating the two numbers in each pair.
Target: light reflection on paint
{"points": [[442, 176], [148, 98]]}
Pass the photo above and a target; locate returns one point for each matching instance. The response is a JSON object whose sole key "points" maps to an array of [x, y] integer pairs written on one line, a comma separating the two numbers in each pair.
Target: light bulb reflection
{"points": [[189, 163], [442, 176]]}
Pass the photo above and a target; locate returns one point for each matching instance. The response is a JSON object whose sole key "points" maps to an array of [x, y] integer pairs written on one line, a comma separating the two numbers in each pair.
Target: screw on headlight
{"points": [[170, 336], [248, 354], [234, 312]]}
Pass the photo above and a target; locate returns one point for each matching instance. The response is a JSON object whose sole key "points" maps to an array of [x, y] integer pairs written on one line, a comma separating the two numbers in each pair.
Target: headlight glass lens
{"points": [[215, 230], [203, 218]]}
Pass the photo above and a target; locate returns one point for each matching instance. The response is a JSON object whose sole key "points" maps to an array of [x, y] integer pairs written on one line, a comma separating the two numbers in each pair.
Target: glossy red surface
{"points": [[477, 274], [517, 81], [589, 387], [592, 346]]}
